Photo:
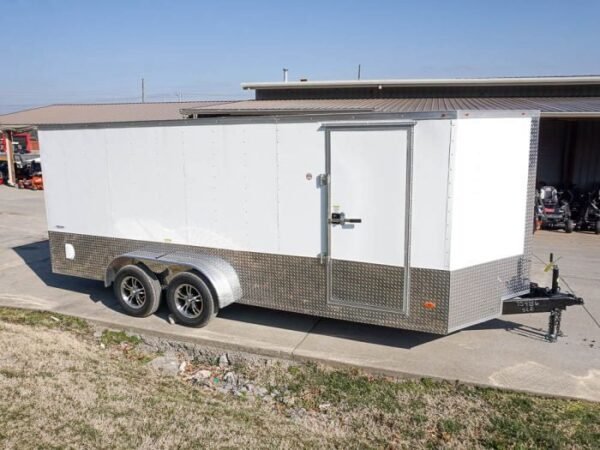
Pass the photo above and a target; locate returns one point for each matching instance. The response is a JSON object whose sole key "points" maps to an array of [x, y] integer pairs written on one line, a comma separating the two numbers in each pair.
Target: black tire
{"points": [[569, 226], [597, 227], [190, 300], [140, 304]]}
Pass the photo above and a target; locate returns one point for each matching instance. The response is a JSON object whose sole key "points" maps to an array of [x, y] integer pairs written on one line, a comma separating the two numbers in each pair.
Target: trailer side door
{"points": [[369, 171]]}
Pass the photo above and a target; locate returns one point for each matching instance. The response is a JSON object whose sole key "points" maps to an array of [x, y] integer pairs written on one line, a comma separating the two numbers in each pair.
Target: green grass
{"points": [[539, 422], [44, 319], [110, 337], [494, 418]]}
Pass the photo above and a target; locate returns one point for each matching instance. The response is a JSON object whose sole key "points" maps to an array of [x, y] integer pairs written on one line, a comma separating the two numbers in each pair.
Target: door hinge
{"points": [[323, 179]]}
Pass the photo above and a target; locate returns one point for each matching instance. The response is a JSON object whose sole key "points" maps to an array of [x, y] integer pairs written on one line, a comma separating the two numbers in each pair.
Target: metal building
{"points": [[569, 141]]}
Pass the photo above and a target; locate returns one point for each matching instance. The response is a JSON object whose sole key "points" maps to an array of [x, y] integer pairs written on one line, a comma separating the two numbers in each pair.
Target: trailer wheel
{"points": [[138, 290], [190, 300], [569, 226]]}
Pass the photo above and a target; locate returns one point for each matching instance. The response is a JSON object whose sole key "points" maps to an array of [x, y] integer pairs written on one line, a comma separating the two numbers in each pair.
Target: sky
{"points": [[64, 51]]}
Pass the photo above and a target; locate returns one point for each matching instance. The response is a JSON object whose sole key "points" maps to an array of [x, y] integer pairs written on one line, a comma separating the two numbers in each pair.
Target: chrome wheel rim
{"points": [[188, 301], [133, 292]]}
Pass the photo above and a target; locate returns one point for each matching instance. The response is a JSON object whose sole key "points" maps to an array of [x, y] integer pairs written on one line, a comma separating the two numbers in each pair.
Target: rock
{"points": [[261, 391], [324, 406], [297, 413], [167, 365], [102, 346], [202, 382], [250, 387], [182, 366], [223, 360], [171, 319], [201, 375], [288, 401], [98, 334], [230, 378], [226, 388]]}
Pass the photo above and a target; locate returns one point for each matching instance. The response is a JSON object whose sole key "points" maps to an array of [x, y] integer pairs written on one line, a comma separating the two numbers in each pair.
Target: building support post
{"points": [[10, 158]]}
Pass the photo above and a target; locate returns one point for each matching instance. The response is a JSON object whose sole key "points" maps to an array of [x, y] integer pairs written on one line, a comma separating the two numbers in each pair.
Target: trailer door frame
{"points": [[328, 259]]}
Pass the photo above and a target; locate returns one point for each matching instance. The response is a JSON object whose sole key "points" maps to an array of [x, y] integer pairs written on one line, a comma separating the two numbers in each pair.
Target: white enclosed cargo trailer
{"points": [[375, 218]]}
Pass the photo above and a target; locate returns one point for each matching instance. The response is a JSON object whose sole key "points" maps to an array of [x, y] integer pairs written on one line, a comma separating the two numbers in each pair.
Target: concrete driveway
{"points": [[509, 352]]}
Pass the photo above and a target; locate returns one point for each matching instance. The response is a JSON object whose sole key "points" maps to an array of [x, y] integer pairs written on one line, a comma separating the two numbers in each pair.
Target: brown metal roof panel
{"points": [[283, 106], [544, 104], [101, 113]]}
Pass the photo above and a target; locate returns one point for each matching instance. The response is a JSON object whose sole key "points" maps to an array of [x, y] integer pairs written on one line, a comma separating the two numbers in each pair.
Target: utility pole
{"points": [[143, 92], [359, 71]]}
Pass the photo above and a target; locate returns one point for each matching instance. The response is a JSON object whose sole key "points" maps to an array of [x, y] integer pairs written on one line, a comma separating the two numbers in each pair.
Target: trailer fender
{"points": [[220, 275]]}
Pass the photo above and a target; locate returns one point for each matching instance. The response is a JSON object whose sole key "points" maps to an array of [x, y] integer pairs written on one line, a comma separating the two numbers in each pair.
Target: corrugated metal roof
{"points": [[549, 106], [101, 113], [407, 82]]}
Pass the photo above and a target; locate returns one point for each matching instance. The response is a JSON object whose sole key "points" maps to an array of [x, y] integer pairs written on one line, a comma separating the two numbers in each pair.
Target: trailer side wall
{"points": [[250, 194]]}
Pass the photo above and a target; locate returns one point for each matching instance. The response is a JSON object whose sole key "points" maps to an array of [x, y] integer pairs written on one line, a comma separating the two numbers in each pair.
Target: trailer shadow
{"points": [[537, 334], [36, 256]]}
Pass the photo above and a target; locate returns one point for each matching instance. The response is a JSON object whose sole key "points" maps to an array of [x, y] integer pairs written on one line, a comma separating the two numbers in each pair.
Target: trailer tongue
{"points": [[542, 300]]}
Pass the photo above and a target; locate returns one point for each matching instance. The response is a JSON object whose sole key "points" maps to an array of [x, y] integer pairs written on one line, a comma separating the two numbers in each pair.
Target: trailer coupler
{"points": [[544, 299]]}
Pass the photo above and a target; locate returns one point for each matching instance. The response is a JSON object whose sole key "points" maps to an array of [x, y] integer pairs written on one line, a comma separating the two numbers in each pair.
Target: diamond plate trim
{"points": [[368, 285], [283, 282]]}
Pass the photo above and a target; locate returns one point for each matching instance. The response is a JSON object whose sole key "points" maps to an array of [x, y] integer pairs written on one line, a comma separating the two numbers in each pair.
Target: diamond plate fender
{"points": [[218, 272]]}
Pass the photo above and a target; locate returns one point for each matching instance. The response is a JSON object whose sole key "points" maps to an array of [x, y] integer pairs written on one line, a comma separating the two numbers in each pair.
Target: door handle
{"points": [[340, 219]]}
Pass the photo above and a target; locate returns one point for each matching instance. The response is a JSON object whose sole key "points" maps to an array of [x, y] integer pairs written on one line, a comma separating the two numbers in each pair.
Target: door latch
{"points": [[340, 219]]}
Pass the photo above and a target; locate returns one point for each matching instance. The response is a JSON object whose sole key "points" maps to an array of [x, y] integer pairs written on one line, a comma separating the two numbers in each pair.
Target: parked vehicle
{"points": [[29, 173], [586, 211], [4, 171], [554, 212]]}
